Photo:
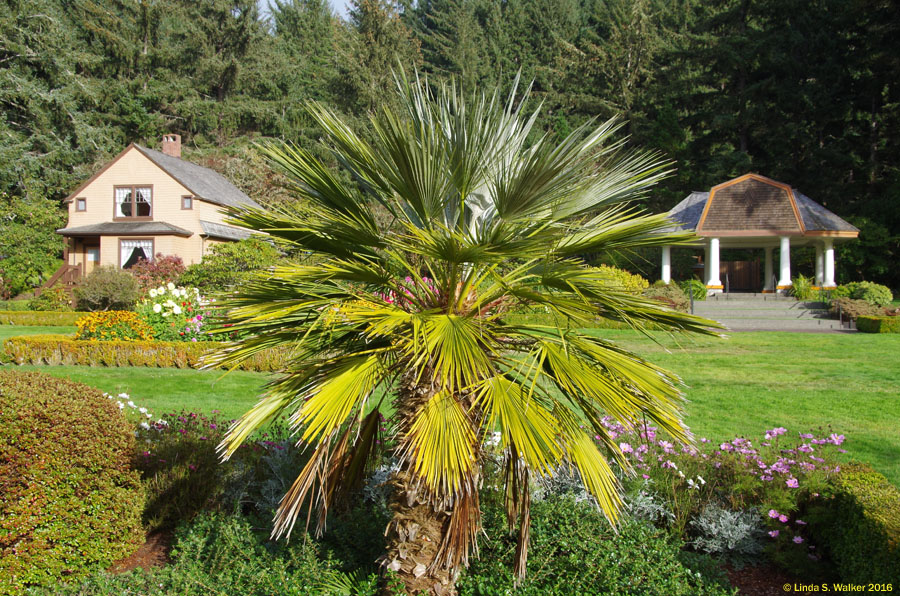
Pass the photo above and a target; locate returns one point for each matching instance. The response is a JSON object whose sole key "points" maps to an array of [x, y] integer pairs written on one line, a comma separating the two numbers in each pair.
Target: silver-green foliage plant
{"points": [[647, 506], [733, 535]]}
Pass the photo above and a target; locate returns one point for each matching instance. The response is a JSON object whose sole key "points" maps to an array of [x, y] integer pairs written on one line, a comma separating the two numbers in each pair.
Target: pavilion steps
{"points": [[768, 312]]}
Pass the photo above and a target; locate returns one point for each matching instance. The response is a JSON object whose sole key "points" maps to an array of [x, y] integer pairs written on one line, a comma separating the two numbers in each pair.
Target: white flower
{"points": [[162, 422], [120, 404], [157, 308], [160, 290], [681, 474], [123, 396], [149, 415], [700, 478], [142, 410], [131, 404], [152, 293], [166, 314], [145, 426], [177, 310], [171, 286]]}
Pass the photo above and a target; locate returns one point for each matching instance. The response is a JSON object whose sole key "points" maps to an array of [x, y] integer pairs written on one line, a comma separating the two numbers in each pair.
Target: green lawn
{"points": [[12, 330], [741, 385], [750, 382]]}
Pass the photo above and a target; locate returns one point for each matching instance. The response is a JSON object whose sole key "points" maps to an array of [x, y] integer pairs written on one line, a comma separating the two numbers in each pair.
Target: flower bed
{"points": [[59, 349]]}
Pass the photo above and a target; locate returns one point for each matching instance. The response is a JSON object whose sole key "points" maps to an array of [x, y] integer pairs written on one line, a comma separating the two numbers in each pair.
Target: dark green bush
{"points": [[574, 551], [871, 293], [670, 295], [51, 299], [857, 523], [107, 288], [229, 554], [229, 264], [69, 498], [878, 324], [40, 319]]}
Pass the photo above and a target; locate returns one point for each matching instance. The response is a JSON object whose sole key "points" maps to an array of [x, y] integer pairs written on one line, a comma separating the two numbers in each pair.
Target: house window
{"points": [[187, 202], [133, 202], [93, 254], [131, 251], [81, 204]]}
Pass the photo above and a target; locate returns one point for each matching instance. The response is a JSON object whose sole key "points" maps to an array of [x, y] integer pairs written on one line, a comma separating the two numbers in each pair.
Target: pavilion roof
{"points": [[753, 205]]}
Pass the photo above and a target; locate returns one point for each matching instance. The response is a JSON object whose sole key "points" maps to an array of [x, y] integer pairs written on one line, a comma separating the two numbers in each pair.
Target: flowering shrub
{"points": [[113, 324], [174, 313], [622, 280], [161, 270]]}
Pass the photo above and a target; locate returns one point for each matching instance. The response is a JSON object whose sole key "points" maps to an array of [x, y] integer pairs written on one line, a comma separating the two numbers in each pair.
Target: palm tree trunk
{"points": [[414, 536]]}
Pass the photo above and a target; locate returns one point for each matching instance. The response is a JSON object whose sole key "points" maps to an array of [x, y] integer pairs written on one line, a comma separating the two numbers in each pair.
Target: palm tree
{"points": [[460, 215]]}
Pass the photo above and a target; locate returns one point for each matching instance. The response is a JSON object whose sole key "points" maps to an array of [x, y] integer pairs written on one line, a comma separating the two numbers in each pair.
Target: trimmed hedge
{"points": [[878, 324], [859, 525], [69, 499], [31, 318], [60, 349]]}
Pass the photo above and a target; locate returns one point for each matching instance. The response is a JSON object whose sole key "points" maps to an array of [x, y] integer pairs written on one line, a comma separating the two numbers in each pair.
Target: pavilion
{"points": [[753, 211]]}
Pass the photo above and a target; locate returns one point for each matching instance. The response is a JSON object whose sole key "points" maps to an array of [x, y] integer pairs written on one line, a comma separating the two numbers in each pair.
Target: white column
{"points": [[785, 279], [820, 265], [706, 262], [828, 282], [667, 264], [770, 270], [712, 268]]}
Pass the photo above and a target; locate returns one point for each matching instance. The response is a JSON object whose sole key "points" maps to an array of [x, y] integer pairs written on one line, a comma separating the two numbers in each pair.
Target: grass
{"points": [[742, 385], [751, 382], [7, 331]]}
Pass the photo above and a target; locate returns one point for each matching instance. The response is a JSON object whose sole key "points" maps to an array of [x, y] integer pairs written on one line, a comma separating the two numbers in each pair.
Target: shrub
{"points": [[69, 499], [174, 314], [113, 325], [858, 523], [574, 551], [228, 554], [51, 299], [40, 319], [734, 535], [872, 293], [853, 309], [670, 295], [695, 287], [878, 324], [107, 288], [59, 349], [158, 272], [229, 263], [13, 305], [802, 288], [622, 280]]}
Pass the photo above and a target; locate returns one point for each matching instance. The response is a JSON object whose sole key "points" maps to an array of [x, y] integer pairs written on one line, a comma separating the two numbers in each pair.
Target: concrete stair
{"points": [[769, 312]]}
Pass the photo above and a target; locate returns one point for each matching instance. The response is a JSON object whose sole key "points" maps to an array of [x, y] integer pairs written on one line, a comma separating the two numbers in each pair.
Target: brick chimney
{"points": [[171, 145]]}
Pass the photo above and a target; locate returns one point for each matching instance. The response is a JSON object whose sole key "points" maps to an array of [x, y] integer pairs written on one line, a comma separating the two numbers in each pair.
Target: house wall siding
{"points": [[133, 168]]}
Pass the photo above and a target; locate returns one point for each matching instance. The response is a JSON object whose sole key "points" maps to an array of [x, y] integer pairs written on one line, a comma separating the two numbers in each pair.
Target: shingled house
{"points": [[753, 211], [145, 202]]}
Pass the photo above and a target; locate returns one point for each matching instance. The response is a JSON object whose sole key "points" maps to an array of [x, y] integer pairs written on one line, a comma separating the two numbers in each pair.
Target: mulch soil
{"points": [[153, 553]]}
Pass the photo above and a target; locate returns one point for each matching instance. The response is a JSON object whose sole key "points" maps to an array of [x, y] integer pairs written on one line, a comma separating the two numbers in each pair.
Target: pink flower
{"points": [[773, 514], [774, 533], [626, 448], [800, 522], [783, 518], [792, 483], [798, 540]]}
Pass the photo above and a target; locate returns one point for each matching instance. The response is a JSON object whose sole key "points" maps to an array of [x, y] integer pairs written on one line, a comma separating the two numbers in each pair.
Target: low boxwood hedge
{"points": [[60, 349], [858, 523], [39, 318], [878, 324], [70, 500]]}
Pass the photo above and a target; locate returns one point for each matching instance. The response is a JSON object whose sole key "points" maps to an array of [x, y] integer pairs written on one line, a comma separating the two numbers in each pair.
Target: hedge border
{"points": [[63, 350], [40, 318], [878, 324]]}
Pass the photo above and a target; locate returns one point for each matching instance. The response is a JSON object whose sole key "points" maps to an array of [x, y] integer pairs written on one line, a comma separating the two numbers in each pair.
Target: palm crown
{"points": [[412, 315]]}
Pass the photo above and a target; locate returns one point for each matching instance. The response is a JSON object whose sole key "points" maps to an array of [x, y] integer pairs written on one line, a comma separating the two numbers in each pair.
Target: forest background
{"points": [[802, 91]]}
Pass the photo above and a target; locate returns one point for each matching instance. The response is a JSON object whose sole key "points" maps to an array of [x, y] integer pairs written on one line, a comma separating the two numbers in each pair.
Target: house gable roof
{"points": [[204, 183]]}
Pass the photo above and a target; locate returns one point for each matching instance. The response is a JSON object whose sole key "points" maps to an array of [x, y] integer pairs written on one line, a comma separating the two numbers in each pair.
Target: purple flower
{"points": [[773, 514], [645, 477], [798, 540], [800, 522], [774, 533], [836, 439], [626, 448], [726, 447], [806, 435], [792, 483], [783, 518]]}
